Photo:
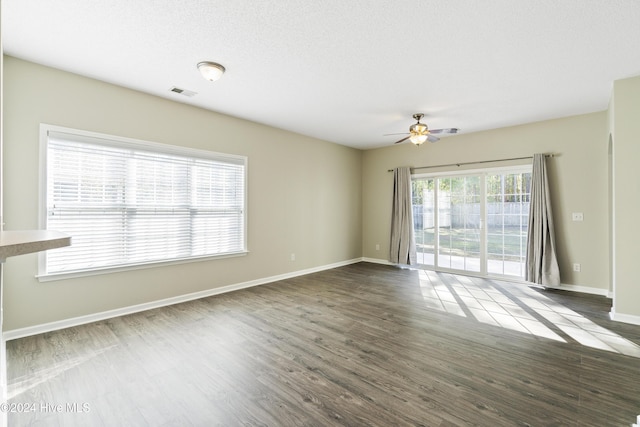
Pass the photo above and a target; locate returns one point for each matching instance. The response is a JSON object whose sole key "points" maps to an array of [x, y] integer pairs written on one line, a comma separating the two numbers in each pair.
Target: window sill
{"points": [[129, 267]]}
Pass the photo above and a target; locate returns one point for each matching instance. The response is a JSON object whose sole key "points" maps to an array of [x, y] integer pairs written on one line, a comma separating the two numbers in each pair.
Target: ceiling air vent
{"points": [[184, 92]]}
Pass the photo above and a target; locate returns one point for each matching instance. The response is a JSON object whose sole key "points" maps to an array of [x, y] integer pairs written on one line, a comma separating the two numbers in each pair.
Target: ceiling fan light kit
{"points": [[418, 131], [418, 139], [211, 71]]}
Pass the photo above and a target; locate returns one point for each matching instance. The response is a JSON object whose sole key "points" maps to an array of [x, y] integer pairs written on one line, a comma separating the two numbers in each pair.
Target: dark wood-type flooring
{"points": [[364, 344]]}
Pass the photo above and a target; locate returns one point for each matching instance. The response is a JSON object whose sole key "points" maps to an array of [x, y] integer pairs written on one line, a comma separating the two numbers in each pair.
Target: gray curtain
{"points": [[542, 264], [403, 246]]}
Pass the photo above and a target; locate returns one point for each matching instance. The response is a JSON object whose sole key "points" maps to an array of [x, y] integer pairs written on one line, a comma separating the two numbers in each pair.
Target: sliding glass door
{"points": [[475, 222], [507, 222], [459, 238], [424, 219]]}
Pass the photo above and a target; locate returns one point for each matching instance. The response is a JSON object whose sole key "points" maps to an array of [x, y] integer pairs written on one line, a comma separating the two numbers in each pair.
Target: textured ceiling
{"points": [[346, 71]]}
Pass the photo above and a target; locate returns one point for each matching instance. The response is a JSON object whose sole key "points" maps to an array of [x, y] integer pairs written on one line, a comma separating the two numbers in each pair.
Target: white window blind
{"points": [[131, 203]]}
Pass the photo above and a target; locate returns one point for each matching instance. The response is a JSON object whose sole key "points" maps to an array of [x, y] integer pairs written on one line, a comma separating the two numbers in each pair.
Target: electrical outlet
{"points": [[377, 246], [577, 216], [293, 257], [576, 267]]}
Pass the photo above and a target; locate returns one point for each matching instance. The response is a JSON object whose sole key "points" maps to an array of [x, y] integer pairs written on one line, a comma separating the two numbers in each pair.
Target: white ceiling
{"points": [[346, 71]]}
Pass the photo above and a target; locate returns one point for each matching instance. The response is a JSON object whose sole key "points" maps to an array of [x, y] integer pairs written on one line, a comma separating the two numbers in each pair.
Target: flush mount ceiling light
{"points": [[211, 71]]}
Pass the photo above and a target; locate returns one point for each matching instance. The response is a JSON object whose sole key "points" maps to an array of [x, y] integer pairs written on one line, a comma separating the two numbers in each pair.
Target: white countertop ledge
{"points": [[20, 242]]}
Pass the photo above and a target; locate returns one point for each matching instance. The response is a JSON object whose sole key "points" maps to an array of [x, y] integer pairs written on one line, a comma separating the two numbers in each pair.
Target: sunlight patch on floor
{"points": [[520, 309]]}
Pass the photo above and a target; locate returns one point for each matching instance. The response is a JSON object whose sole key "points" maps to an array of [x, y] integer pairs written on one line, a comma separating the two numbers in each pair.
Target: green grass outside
{"points": [[501, 243]]}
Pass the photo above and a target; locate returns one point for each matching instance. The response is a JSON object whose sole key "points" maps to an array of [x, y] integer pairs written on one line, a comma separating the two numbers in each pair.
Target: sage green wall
{"points": [[577, 178], [304, 195], [625, 127]]}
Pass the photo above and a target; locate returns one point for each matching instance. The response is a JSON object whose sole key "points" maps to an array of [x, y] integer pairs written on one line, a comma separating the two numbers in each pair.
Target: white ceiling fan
{"points": [[420, 132]]}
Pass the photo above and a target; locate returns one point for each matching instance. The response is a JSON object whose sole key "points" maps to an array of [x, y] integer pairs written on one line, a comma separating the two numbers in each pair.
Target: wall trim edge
{"points": [[13, 334], [377, 261], [561, 287], [624, 318], [581, 289], [95, 317]]}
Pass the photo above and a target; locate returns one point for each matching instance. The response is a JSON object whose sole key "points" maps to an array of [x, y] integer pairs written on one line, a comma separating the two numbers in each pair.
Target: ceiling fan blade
{"points": [[398, 142], [389, 134], [432, 138], [447, 130]]}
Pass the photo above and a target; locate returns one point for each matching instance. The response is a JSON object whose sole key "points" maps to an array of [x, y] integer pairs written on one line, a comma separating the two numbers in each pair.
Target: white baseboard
{"points": [[582, 289], [377, 261], [562, 287], [82, 320], [625, 318]]}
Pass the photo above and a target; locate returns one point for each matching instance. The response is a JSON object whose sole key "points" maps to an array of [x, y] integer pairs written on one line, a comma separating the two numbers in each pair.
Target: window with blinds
{"points": [[127, 203]]}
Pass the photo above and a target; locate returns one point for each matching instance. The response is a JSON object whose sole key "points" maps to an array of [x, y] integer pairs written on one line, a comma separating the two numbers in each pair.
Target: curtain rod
{"points": [[476, 163]]}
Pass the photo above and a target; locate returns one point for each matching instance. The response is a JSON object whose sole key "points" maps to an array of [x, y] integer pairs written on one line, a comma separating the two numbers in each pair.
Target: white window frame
{"points": [[123, 142]]}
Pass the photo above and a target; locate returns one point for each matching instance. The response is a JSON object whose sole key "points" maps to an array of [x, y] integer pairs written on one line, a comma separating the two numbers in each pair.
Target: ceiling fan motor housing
{"points": [[419, 128]]}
